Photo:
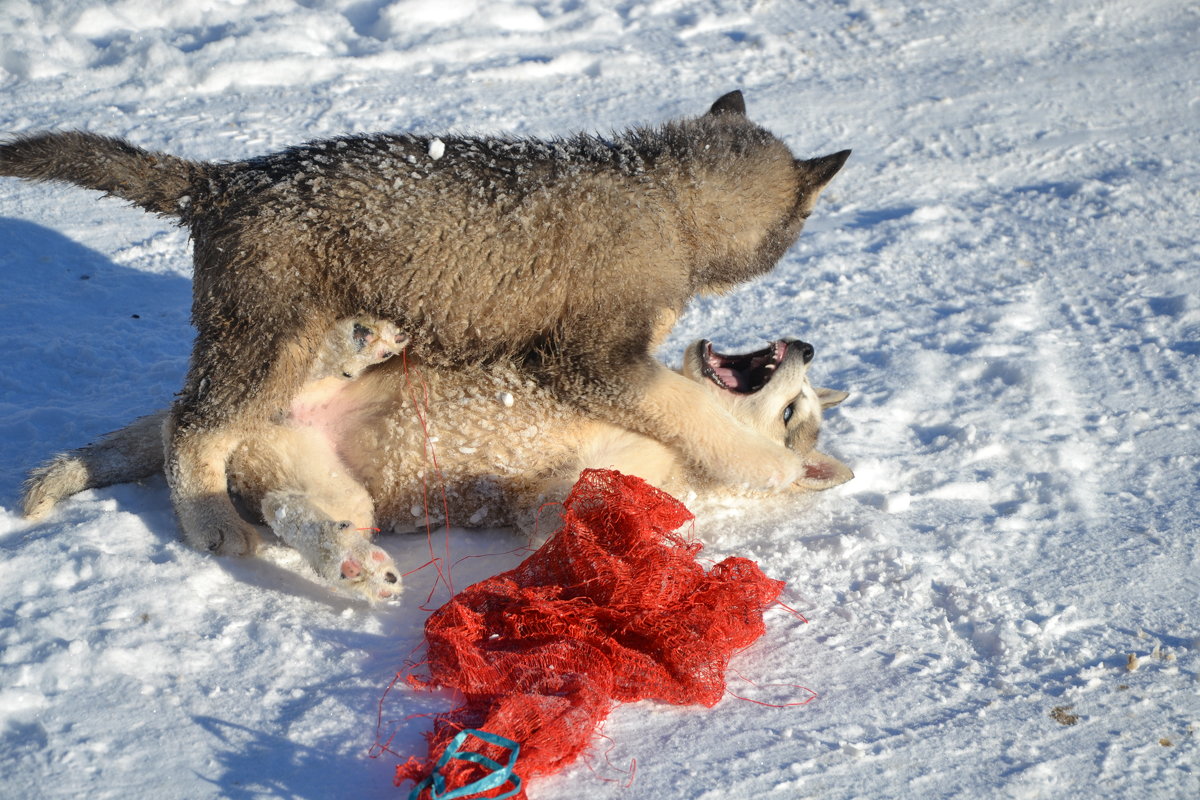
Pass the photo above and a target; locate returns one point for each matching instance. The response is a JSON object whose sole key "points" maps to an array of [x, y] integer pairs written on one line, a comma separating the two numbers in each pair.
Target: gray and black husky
{"points": [[570, 257]]}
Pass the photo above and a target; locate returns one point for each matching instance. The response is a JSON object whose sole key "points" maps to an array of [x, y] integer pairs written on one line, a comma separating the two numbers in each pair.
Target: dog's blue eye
{"points": [[787, 413]]}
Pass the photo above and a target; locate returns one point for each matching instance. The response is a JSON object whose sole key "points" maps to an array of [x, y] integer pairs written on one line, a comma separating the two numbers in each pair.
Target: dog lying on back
{"points": [[569, 259], [399, 445]]}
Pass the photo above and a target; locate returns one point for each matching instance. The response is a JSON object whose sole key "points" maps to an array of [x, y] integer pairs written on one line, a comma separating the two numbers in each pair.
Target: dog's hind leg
{"points": [[195, 471], [251, 356], [339, 551], [237, 385], [328, 353], [312, 502], [353, 344], [129, 454]]}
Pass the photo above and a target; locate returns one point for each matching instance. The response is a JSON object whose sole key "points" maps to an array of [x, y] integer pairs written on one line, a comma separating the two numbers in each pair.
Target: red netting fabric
{"points": [[614, 607]]}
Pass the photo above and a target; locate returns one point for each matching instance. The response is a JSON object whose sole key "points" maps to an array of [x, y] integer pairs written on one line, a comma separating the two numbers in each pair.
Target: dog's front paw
{"points": [[760, 465], [822, 471]]}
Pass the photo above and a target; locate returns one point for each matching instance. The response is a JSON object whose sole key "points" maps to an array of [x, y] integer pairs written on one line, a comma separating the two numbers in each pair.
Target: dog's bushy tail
{"points": [[130, 454], [161, 183]]}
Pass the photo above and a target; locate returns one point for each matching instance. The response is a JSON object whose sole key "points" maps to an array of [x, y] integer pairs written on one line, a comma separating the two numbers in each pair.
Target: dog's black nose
{"points": [[806, 350]]}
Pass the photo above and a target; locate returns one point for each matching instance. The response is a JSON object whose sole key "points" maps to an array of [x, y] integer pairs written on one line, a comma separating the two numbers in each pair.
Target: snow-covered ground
{"points": [[1004, 276]]}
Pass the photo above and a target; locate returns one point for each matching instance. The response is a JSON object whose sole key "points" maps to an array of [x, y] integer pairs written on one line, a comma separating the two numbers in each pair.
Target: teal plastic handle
{"points": [[498, 774]]}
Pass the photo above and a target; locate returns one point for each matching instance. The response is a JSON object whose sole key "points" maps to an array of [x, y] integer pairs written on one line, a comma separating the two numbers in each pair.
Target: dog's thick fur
{"points": [[572, 257], [405, 444]]}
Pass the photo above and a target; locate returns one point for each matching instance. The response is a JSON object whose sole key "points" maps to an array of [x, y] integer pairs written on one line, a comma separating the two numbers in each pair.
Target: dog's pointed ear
{"points": [[820, 171], [814, 174], [732, 103], [831, 397], [823, 471]]}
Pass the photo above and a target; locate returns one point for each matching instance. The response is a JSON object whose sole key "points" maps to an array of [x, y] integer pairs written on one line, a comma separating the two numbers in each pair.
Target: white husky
{"points": [[362, 448]]}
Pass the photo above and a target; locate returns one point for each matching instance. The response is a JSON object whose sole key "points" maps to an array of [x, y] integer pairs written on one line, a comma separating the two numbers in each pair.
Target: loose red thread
{"points": [[421, 409], [792, 611], [629, 774], [811, 694]]}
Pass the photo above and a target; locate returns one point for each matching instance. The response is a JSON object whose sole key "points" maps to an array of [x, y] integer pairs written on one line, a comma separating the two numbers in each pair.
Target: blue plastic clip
{"points": [[499, 774]]}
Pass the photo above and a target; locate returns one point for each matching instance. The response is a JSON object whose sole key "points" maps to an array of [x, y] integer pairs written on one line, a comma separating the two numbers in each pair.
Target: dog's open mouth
{"points": [[744, 374]]}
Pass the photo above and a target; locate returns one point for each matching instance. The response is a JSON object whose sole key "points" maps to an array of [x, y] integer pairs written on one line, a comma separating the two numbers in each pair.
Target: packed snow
{"points": [[1005, 601]]}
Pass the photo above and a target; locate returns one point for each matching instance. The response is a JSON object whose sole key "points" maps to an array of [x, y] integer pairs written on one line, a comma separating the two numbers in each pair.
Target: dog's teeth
{"points": [[711, 373]]}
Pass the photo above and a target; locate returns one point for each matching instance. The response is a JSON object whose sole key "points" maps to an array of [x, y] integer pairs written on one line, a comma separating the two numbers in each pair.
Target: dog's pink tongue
{"points": [[729, 377]]}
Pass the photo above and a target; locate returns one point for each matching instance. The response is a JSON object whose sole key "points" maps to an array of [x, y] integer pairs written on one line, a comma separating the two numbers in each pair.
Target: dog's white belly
{"points": [[469, 442]]}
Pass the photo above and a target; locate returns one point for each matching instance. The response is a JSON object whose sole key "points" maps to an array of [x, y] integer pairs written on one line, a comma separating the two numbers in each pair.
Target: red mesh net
{"points": [[614, 607]]}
